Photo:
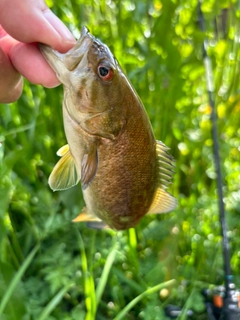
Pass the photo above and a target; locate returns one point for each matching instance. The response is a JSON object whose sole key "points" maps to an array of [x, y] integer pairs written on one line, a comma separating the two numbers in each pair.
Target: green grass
{"points": [[16, 279]]}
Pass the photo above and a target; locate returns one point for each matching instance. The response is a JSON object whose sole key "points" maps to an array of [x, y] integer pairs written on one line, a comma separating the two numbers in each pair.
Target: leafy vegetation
{"points": [[53, 269]]}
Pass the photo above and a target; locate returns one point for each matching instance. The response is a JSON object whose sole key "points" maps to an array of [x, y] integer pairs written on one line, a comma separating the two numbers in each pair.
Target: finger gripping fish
{"points": [[111, 148]]}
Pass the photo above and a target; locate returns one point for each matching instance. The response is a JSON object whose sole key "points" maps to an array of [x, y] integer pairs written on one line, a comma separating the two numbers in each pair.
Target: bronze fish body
{"points": [[111, 148]]}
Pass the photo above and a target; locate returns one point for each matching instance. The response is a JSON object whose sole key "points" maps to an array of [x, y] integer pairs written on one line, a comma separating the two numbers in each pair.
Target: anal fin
{"points": [[86, 216], [92, 220]]}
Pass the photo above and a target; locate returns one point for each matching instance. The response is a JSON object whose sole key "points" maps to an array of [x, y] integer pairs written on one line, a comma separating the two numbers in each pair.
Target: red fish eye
{"points": [[105, 72]]}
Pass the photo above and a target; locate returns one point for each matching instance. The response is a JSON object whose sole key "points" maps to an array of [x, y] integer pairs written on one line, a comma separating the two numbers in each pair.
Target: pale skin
{"points": [[24, 23]]}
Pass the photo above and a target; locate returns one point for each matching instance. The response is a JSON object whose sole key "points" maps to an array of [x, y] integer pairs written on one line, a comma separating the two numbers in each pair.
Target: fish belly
{"points": [[122, 190]]}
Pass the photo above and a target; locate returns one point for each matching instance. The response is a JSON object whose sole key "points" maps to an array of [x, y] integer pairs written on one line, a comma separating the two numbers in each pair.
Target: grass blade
{"points": [[105, 274], [89, 288], [54, 302], [122, 314], [129, 282], [15, 281], [19, 129]]}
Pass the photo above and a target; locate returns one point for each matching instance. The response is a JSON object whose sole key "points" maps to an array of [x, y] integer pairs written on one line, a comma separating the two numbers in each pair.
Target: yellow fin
{"points": [[92, 220], [86, 216], [64, 174], [63, 150], [162, 200]]}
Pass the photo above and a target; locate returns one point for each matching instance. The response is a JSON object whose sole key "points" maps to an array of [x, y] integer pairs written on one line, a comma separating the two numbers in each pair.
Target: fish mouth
{"points": [[74, 56], [69, 60]]}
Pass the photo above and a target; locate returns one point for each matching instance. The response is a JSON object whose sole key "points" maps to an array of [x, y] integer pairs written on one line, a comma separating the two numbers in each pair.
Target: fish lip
{"points": [[53, 57], [71, 58], [74, 56], [84, 31]]}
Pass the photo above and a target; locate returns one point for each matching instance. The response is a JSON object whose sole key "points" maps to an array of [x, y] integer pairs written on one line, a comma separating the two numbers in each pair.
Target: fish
{"points": [[111, 149]]}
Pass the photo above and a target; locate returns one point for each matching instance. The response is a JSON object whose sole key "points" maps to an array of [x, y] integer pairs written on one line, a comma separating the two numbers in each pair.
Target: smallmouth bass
{"points": [[124, 171]]}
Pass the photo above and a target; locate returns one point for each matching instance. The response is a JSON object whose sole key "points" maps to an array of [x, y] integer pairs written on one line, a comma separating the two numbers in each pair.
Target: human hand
{"points": [[23, 24]]}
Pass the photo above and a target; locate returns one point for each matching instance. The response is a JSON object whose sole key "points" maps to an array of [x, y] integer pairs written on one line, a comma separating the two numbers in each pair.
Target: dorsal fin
{"points": [[162, 200], [166, 165], [64, 174]]}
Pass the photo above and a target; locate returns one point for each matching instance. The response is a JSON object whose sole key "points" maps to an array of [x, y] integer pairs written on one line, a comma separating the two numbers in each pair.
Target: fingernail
{"points": [[59, 26]]}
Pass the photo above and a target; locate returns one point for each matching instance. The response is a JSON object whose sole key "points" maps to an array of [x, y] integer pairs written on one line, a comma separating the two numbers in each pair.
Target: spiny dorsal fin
{"points": [[166, 165], [64, 174], [162, 200]]}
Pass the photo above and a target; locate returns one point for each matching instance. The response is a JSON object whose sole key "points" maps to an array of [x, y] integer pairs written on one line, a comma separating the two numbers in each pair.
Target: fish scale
{"points": [[129, 185]]}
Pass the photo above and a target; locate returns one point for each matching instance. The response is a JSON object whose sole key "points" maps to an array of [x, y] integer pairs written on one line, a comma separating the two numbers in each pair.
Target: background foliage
{"points": [[53, 269]]}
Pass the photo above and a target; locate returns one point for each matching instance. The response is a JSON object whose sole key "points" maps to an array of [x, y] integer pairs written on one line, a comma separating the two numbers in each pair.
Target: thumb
{"points": [[32, 21]]}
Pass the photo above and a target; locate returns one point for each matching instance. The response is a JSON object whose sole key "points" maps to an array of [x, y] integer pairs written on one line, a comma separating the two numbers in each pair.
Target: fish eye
{"points": [[105, 72]]}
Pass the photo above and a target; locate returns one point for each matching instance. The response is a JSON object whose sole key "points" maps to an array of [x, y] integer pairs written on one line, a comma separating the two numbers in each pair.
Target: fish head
{"points": [[90, 74]]}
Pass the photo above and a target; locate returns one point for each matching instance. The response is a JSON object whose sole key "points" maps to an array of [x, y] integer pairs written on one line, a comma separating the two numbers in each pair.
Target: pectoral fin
{"points": [[89, 167], [64, 174], [162, 200]]}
